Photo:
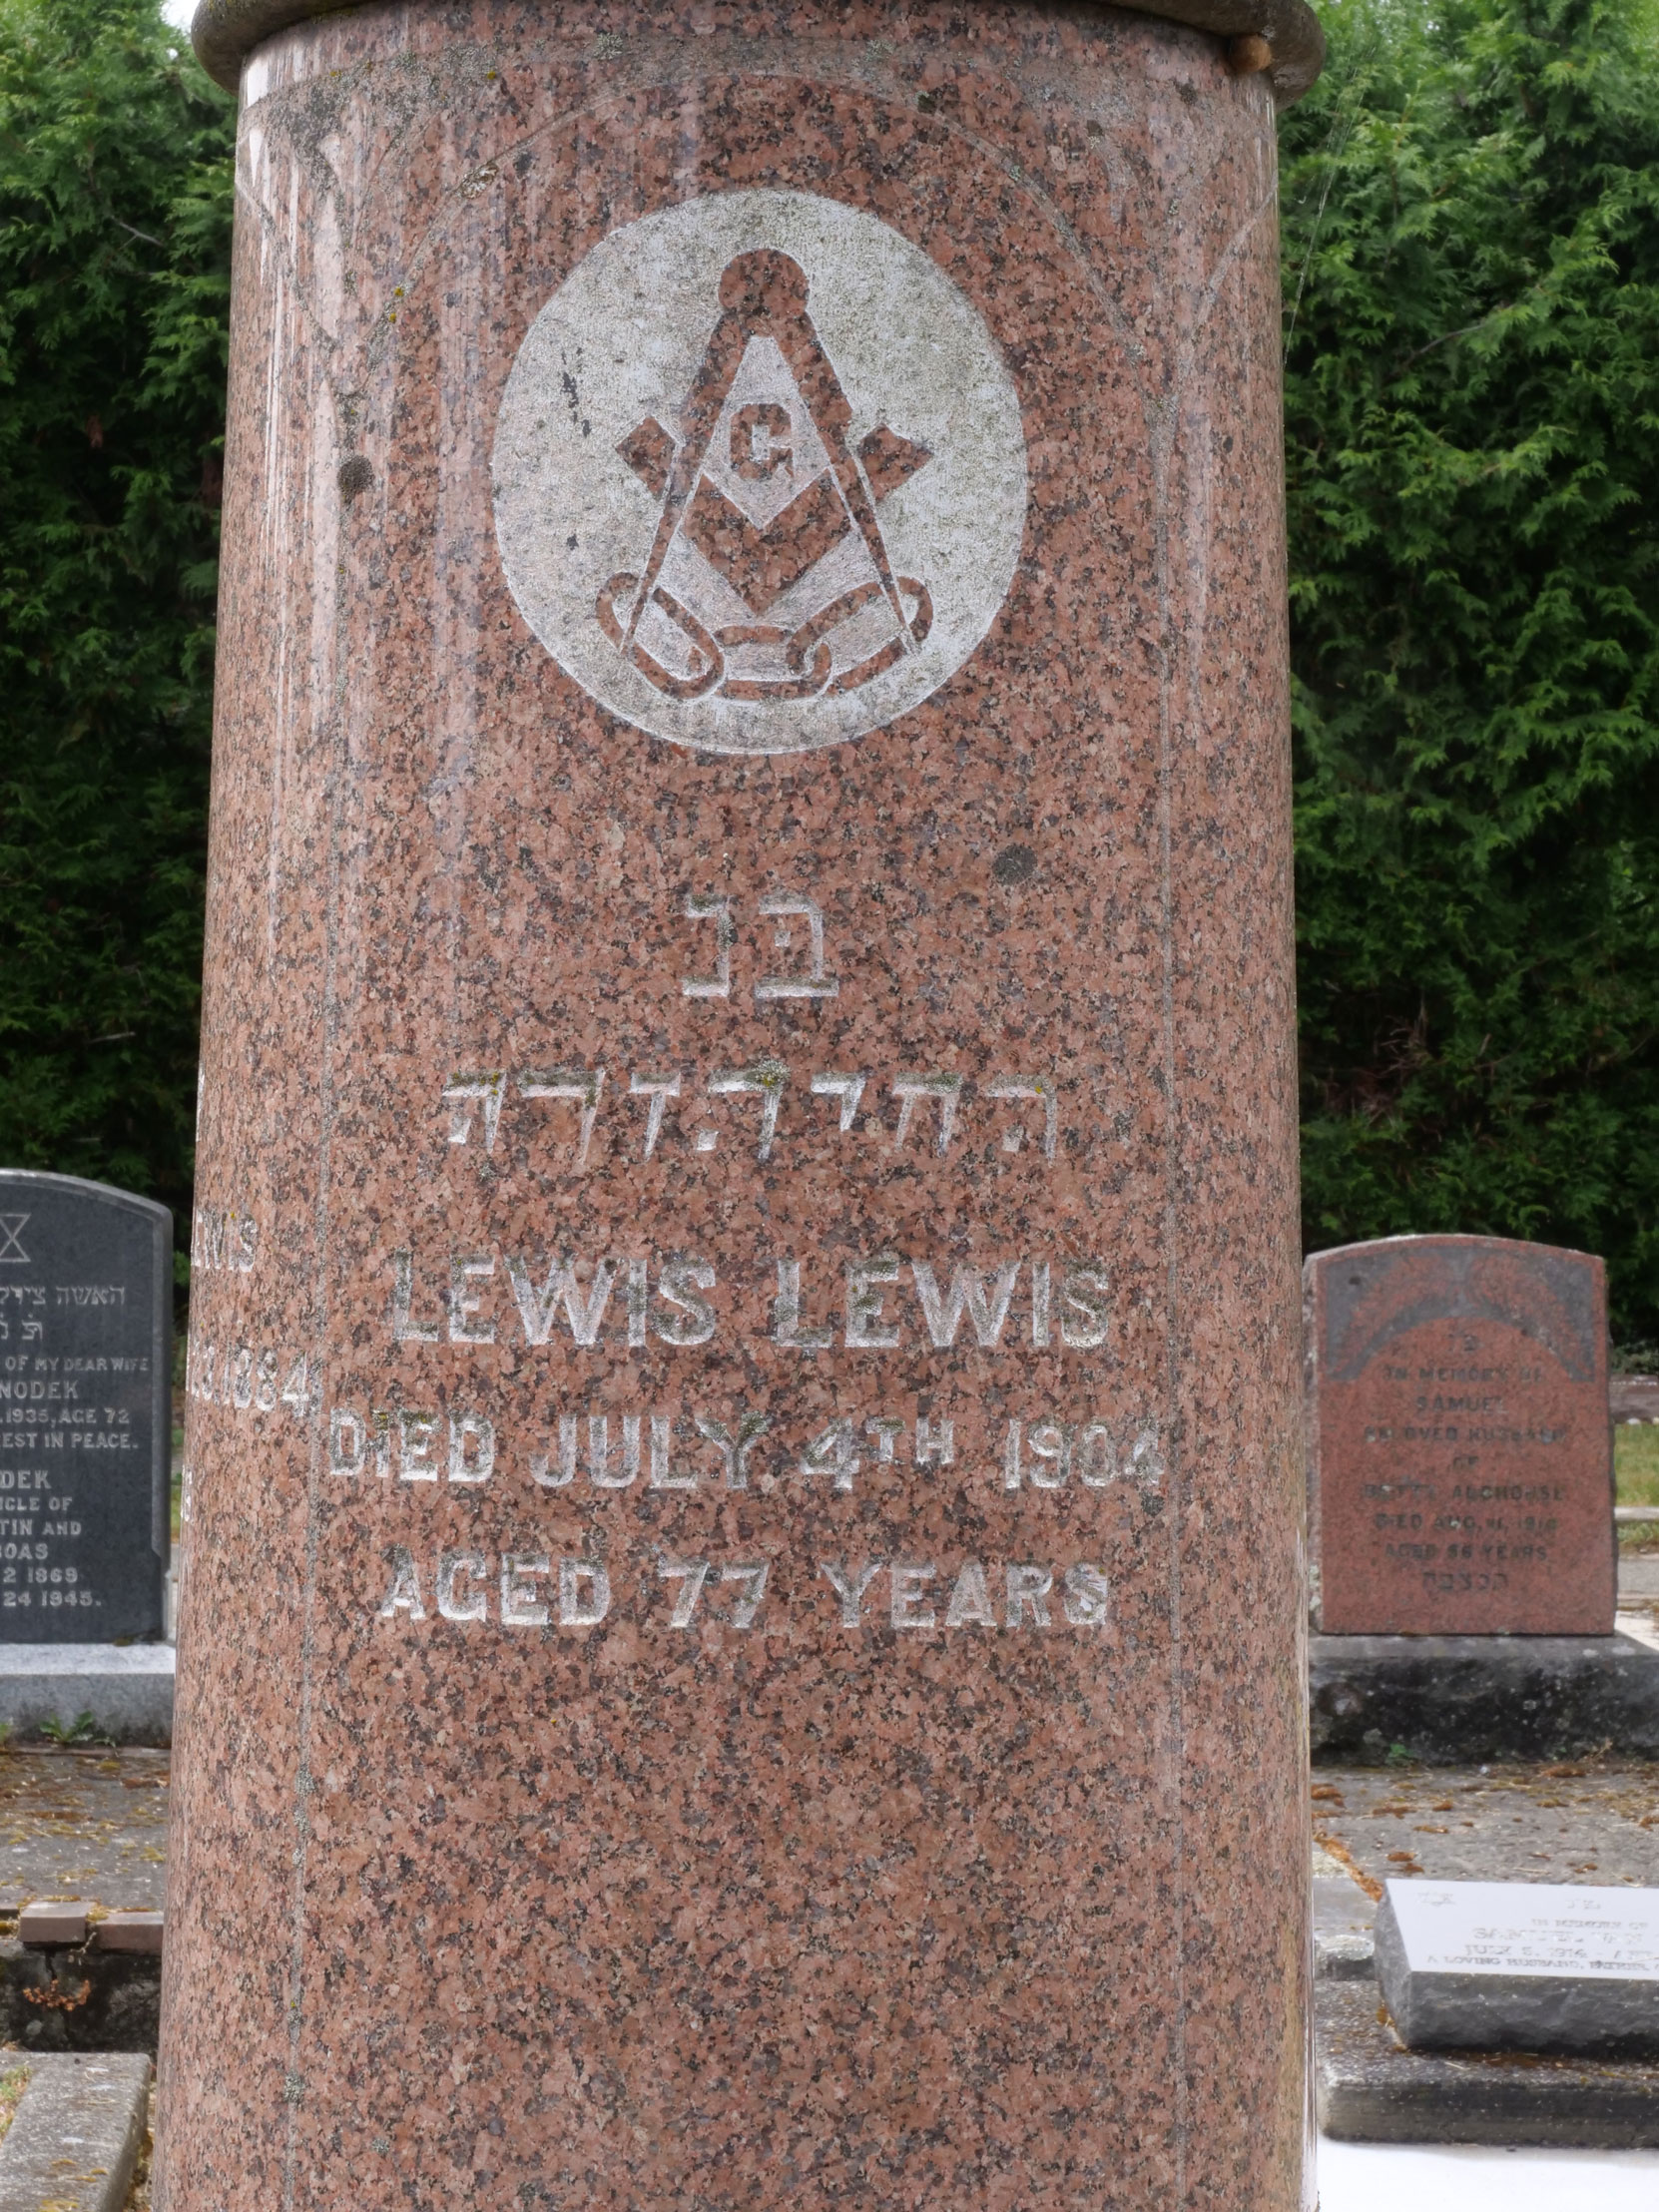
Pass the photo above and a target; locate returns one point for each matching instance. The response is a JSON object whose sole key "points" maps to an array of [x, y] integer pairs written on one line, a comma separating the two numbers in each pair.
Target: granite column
{"points": [[740, 1619]]}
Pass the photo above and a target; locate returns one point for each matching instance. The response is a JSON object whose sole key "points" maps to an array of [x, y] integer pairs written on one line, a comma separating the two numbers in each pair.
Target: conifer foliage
{"points": [[115, 208], [1470, 210]]}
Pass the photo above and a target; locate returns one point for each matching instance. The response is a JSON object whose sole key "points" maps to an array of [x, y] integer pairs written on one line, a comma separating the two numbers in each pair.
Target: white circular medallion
{"points": [[760, 475]]}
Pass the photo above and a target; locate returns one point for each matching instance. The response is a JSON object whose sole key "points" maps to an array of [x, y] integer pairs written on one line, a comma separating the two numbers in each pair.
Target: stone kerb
{"points": [[75, 2137]]}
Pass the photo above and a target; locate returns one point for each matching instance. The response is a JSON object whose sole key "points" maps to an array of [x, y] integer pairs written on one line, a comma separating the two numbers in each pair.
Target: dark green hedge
{"points": [[114, 205], [1472, 252], [1471, 280]]}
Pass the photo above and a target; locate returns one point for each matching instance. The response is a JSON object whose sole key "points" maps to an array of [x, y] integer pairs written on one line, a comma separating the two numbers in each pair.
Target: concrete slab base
{"points": [[76, 2135], [127, 1688], [1460, 1700], [1370, 2091]]}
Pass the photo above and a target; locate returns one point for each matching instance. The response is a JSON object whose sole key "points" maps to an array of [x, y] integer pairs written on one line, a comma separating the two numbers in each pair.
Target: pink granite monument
{"points": [[1459, 1451], [742, 1601]]}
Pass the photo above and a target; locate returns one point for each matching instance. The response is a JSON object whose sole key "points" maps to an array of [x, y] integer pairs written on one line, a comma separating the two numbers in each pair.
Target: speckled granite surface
{"points": [[738, 1623]]}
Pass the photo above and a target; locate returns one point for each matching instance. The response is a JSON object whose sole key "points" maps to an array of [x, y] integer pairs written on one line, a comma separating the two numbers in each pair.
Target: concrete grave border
{"points": [[91, 2105]]}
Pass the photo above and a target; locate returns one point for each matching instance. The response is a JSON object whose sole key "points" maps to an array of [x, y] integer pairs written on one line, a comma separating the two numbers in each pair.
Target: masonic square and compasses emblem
{"points": [[760, 475]]}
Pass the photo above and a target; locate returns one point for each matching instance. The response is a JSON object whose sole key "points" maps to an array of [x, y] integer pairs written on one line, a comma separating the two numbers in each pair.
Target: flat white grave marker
{"points": [[1520, 1966]]}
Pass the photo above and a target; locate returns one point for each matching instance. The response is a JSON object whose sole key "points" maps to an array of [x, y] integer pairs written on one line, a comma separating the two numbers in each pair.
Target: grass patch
{"points": [[137, 2195], [1636, 1462], [1636, 1475], [12, 2086]]}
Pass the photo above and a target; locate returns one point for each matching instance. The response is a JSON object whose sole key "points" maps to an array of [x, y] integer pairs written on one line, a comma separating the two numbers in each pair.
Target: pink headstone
{"points": [[1459, 1453]]}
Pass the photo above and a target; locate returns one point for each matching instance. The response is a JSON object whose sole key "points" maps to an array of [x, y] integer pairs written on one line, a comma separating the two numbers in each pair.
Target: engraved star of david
{"points": [[11, 1228], [767, 510]]}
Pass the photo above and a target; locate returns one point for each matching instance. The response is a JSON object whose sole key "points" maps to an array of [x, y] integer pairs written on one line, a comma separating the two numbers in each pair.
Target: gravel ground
{"points": [[83, 1824], [1591, 1821]]}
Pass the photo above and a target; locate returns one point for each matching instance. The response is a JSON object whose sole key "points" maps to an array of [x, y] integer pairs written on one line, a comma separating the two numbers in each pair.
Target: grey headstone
{"points": [[1520, 1966], [86, 1292]]}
